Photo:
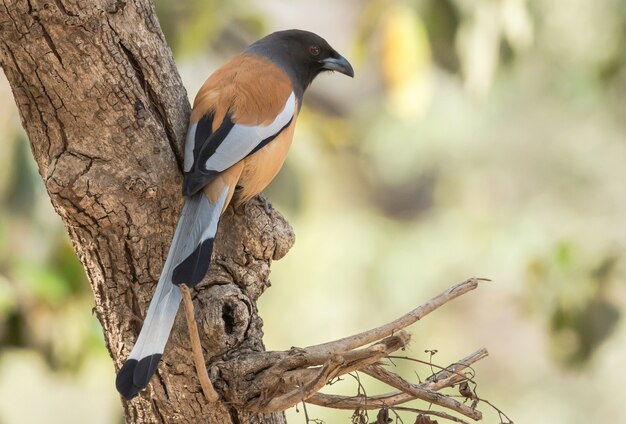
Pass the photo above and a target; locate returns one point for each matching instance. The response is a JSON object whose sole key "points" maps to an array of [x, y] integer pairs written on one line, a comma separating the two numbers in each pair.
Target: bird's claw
{"points": [[267, 203]]}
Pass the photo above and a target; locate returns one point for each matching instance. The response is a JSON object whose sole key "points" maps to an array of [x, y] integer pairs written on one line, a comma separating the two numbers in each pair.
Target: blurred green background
{"points": [[479, 138]]}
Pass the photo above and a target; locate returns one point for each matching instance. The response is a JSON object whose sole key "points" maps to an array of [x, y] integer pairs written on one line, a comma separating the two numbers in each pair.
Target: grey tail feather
{"points": [[195, 231]]}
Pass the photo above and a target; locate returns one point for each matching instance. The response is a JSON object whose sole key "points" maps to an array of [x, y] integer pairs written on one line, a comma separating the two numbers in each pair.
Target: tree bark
{"points": [[106, 114]]}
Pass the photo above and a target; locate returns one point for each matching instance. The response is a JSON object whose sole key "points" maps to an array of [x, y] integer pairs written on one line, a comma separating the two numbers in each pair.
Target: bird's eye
{"points": [[315, 50]]}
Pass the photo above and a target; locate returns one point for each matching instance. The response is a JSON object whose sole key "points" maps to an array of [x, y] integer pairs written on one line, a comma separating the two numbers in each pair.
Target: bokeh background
{"points": [[479, 138]]}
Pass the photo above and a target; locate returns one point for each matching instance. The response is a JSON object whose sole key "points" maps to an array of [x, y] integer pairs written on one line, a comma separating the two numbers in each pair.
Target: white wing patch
{"points": [[242, 139]]}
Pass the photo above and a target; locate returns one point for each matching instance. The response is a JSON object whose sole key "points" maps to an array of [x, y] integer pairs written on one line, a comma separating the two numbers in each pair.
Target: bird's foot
{"points": [[267, 203]]}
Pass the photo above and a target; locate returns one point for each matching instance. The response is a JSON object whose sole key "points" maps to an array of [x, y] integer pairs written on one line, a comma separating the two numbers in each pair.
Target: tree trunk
{"points": [[106, 114]]}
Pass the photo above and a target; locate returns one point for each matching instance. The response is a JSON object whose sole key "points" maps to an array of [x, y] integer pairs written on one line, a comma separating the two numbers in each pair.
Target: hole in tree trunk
{"points": [[228, 317]]}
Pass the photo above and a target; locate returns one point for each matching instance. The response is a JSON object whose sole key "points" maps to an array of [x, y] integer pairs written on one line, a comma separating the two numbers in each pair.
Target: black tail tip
{"points": [[193, 269], [124, 381], [135, 375]]}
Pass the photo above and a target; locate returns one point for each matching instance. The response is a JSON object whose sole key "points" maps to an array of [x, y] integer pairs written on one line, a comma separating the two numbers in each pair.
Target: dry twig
{"points": [[418, 392], [451, 374], [284, 381], [370, 336], [279, 380], [447, 377], [198, 358]]}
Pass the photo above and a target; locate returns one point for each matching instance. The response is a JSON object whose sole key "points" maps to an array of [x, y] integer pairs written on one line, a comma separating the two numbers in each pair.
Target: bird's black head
{"points": [[302, 54]]}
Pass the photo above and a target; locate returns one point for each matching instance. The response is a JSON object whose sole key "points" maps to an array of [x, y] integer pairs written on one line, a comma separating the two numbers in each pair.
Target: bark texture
{"points": [[106, 114]]}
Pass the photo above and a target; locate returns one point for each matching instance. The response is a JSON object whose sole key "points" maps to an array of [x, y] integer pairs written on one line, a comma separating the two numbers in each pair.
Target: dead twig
{"points": [[198, 358], [302, 393], [360, 401], [354, 360], [275, 381], [313, 379], [370, 336], [418, 392], [447, 377]]}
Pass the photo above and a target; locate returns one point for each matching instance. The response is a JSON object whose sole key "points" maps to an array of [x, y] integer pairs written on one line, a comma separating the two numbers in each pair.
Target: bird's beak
{"points": [[339, 64]]}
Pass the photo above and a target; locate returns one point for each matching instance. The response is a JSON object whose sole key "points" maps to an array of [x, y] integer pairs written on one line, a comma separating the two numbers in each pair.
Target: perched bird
{"points": [[240, 130]]}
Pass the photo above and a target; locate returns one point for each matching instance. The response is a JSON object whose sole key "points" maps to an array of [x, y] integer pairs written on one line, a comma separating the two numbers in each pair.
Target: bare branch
{"points": [[452, 374], [370, 336], [198, 358], [313, 379], [449, 375], [418, 392], [445, 378], [297, 375], [283, 402], [363, 402], [352, 361]]}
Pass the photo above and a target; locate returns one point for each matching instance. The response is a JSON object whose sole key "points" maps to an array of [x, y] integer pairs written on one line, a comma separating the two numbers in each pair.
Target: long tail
{"points": [[187, 262]]}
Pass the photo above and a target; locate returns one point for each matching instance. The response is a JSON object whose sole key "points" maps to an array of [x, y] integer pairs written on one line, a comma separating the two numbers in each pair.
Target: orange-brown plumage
{"points": [[253, 89]]}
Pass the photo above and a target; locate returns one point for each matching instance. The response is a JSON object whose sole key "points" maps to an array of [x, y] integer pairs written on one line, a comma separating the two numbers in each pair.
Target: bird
{"points": [[240, 130]]}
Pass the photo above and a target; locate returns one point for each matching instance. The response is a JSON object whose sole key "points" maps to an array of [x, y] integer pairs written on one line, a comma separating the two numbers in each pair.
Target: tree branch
{"points": [[404, 321], [418, 392], [278, 380], [447, 377], [198, 358]]}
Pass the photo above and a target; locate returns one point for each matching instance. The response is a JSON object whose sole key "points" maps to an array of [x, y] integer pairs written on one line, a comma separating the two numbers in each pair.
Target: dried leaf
{"points": [[425, 419], [383, 416], [359, 416], [465, 391]]}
